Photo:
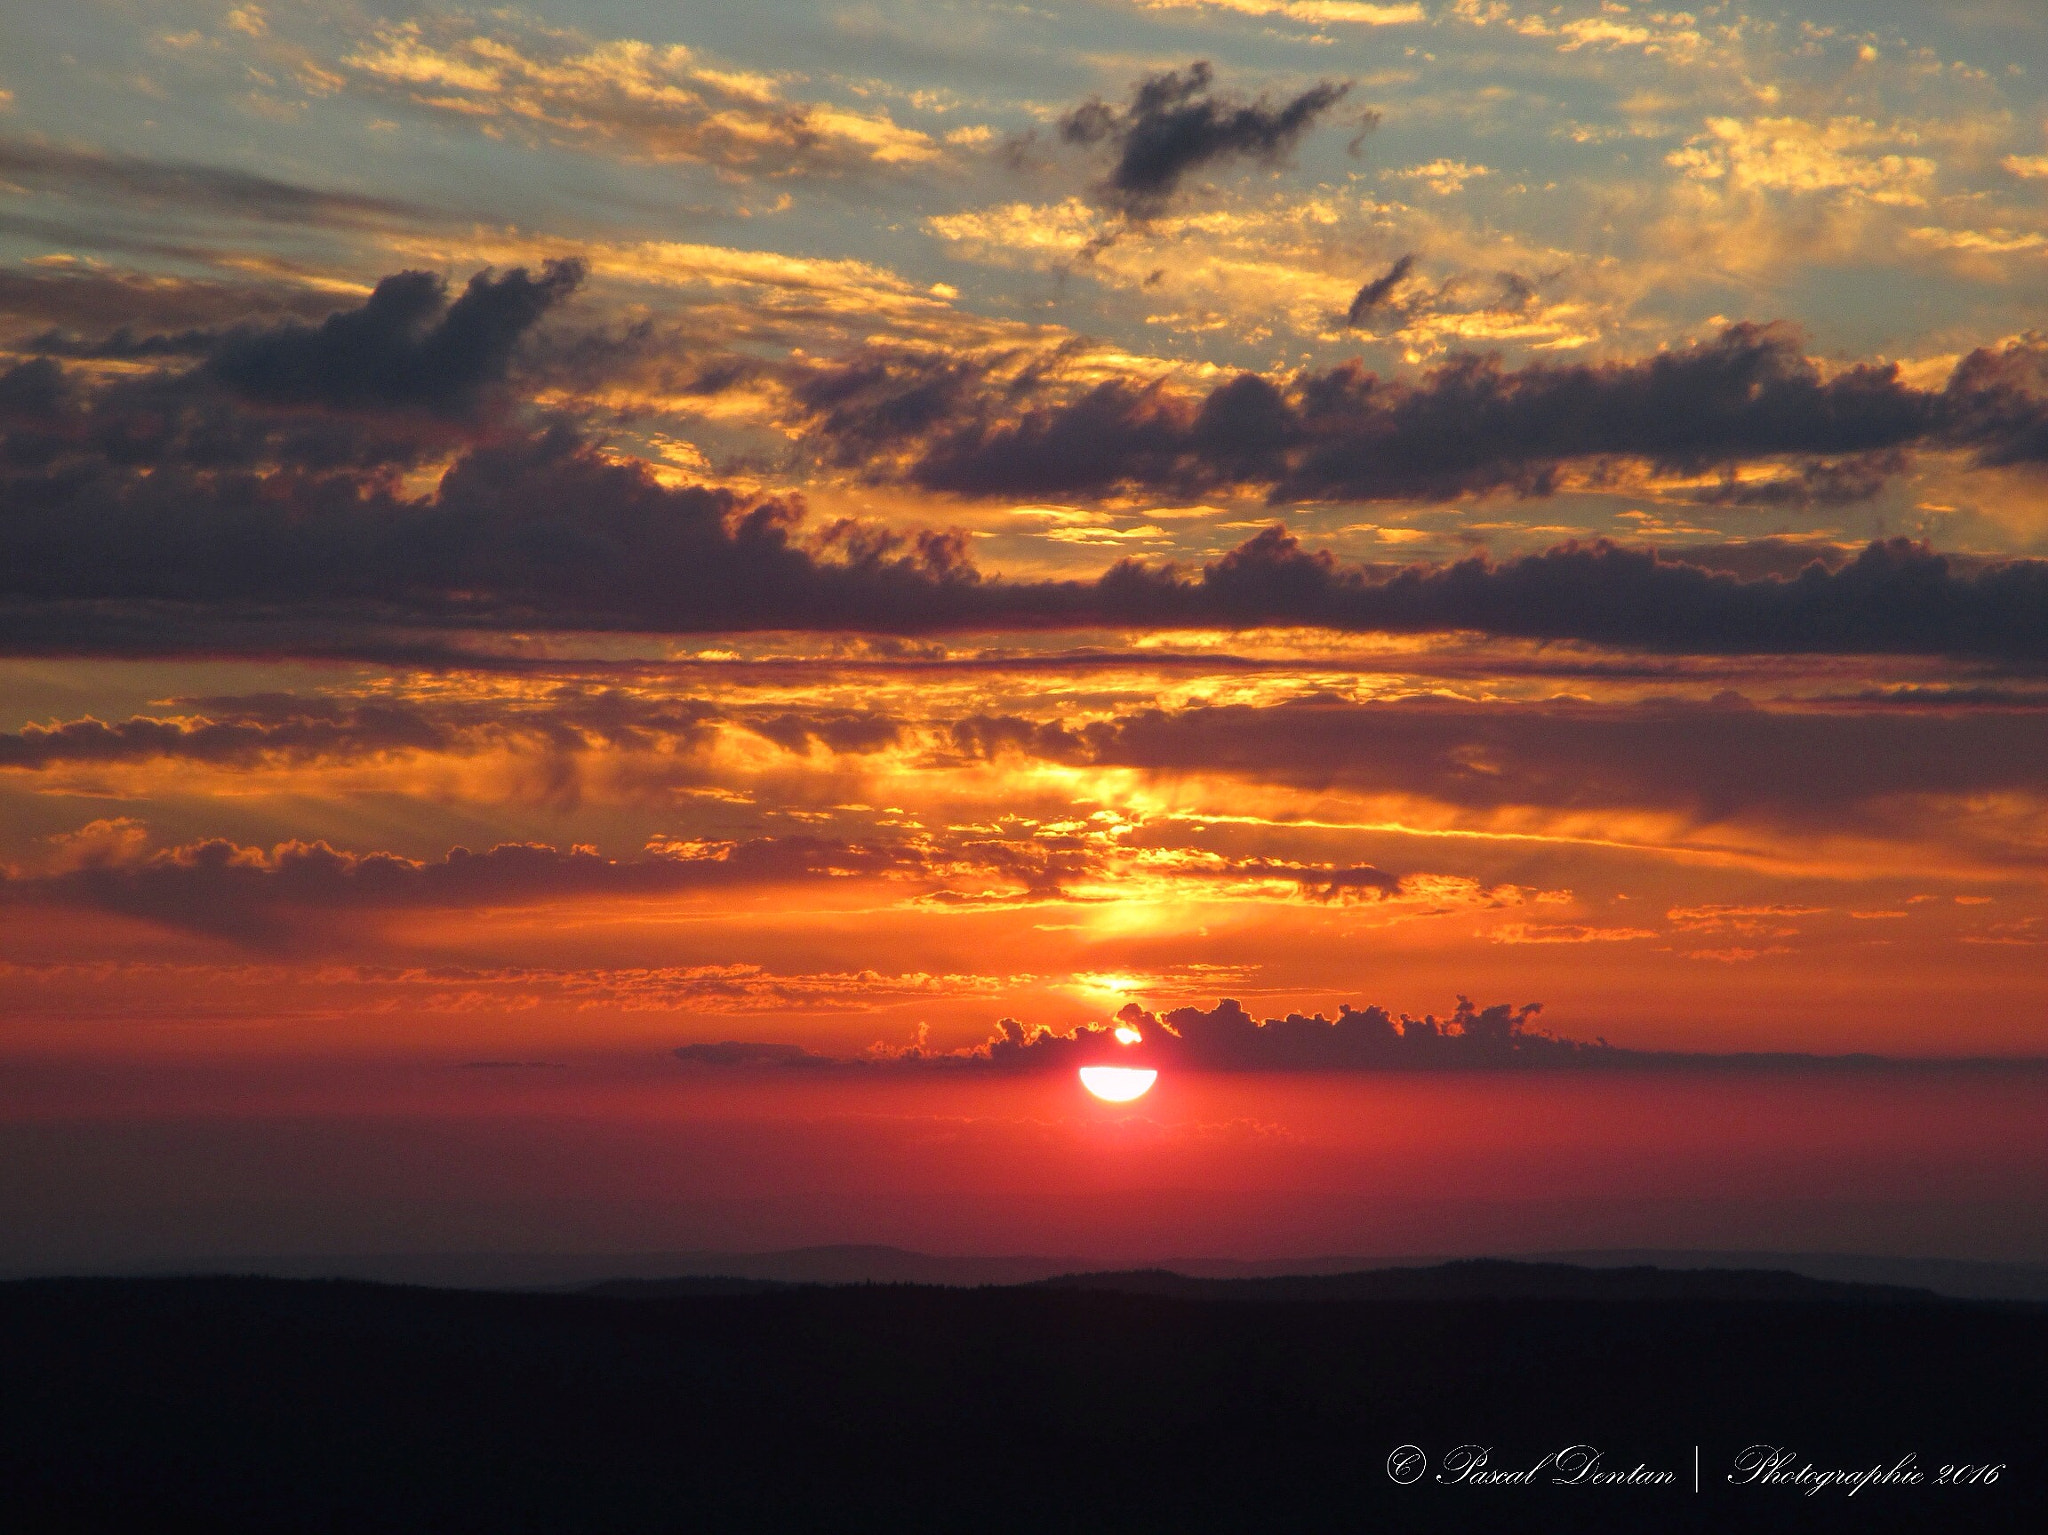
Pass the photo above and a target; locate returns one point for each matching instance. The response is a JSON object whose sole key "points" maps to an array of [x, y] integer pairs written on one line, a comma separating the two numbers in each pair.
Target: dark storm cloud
{"points": [[265, 897], [1379, 290], [406, 347], [1176, 123], [1227, 1038]]}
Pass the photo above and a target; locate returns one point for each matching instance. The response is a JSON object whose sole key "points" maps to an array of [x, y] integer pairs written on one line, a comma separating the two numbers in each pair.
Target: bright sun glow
{"points": [[1126, 1035], [1118, 1084]]}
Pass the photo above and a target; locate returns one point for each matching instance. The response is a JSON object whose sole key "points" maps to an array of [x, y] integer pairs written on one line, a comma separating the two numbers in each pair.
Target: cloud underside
{"points": [[1471, 426], [254, 475], [546, 535], [1887, 754], [1227, 1038], [284, 896], [273, 898]]}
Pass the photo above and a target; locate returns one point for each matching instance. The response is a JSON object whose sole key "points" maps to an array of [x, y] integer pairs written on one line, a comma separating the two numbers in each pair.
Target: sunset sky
{"points": [[531, 538]]}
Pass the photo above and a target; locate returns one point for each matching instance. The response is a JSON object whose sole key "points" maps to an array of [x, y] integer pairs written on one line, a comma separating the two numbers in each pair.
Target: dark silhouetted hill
{"points": [[873, 1264], [245, 1405]]}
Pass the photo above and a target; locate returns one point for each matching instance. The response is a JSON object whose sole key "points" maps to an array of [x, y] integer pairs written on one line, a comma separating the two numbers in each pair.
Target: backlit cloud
{"points": [[625, 97], [1227, 1038], [513, 528]]}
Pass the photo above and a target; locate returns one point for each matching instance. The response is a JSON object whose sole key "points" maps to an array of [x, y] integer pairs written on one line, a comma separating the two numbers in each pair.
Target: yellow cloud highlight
{"points": [[1987, 242], [1790, 154], [1565, 932], [1443, 177], [1318, 12], [635, 98]]}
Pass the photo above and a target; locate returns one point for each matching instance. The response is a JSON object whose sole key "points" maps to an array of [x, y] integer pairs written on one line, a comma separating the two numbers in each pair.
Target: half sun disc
{"points": [[1118, 1084]]}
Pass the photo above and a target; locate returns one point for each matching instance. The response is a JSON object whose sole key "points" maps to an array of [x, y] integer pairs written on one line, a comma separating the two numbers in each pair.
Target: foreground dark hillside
{"points": [[245, 1405]]}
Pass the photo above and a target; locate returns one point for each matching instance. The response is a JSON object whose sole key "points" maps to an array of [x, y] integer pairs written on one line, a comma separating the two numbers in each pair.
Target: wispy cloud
{"points": [[624, 97]]}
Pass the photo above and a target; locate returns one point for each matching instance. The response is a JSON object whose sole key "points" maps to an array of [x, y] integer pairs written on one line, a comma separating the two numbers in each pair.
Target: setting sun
{"points": [[1118, 1084]]}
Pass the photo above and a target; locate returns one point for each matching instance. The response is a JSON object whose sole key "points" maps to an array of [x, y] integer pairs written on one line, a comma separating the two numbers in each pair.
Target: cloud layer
{"points": [[1225, 1038], [1472, 425], [247, 472], [265, 896]]}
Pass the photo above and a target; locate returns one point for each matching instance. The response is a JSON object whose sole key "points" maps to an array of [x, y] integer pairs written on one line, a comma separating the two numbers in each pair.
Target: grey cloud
{"points": [[264, 484], [212, 189], [406, 347], [1176, 123], [1706, 762], [1379, 290], [64, 309], [263, 897]]}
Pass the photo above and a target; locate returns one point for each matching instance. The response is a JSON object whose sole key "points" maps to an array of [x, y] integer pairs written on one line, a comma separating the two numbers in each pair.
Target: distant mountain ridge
{"points": [[1463, 1279], [878, 1264], [1501, 1279]]}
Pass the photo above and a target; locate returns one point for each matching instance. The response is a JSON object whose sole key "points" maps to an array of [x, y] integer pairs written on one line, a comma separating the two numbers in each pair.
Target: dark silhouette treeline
{"points": [[264, 1405]]}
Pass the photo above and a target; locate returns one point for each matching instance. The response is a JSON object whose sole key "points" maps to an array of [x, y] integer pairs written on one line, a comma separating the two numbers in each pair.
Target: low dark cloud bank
{"points": [[1177, 122], [262, 481], [546, 532], [306, 735], [1225, 1038], [1471, 426]]}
